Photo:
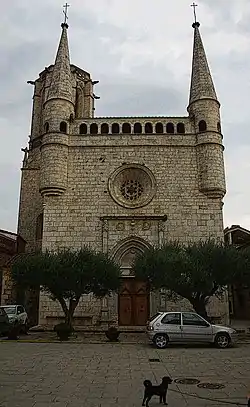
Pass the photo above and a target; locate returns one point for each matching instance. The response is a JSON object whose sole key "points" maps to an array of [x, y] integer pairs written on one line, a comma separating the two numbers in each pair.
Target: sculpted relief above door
{"points": [[127, 259]]}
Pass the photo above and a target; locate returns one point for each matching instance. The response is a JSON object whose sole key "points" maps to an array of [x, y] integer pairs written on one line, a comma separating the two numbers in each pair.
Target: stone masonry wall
{"points": [[8, 294], [30, 203]]}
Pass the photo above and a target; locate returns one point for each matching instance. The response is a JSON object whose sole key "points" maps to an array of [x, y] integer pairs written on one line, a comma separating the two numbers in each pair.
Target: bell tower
{"points": [[204, 113], [59, 110]]}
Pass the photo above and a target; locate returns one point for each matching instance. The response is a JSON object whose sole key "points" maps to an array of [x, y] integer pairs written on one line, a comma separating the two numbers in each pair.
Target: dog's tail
{"points": [[147, 383]]}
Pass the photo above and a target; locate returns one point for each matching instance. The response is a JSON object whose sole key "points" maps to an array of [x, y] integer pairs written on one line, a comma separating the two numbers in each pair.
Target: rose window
{"points": [[131, 190], [132, 185]]}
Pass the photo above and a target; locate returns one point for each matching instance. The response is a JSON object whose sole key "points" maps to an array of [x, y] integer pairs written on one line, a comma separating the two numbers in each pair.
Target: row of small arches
{"points": [[126, 128], [63, 127]]}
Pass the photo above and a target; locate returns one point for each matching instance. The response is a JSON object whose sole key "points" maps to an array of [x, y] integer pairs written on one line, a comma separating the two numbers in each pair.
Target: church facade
{"points": [[120, 184]]}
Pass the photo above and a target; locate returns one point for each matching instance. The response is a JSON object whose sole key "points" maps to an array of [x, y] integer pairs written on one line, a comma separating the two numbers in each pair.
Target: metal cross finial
{"points": [[194, 7], [65, 12]]}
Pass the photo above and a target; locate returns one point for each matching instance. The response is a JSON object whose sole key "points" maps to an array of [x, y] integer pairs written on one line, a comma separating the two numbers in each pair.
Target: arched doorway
{"points": [[133, 298]]}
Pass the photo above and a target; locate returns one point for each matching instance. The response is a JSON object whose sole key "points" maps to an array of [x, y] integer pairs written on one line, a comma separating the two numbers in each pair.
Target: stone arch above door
{"points": [[126, 251]]}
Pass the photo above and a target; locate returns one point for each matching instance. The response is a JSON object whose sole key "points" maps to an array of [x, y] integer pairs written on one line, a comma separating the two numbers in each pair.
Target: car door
{"points": [[195, 328], [4, 321], [3, 316], [21, 314], [171, 324]]}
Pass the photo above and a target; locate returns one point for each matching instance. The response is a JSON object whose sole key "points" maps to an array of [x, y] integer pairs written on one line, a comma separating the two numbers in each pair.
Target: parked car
{"points": [[187, 327], [17, 316], [4, 323]]}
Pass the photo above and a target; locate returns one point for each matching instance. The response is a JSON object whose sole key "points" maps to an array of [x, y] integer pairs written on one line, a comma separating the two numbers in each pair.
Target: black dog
{"points": [[160, 390]]}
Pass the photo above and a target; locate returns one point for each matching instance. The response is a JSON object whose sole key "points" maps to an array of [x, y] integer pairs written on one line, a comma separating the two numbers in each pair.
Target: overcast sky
{"points": [[141, 51]]}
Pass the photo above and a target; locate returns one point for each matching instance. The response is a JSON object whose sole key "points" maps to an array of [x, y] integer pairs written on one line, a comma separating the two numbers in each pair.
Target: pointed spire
{"points": [[61, 85], [202, 86]]}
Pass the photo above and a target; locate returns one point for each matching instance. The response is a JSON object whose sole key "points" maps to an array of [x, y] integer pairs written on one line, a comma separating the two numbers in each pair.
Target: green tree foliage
{"points": [[196, 271], [243, 277], [67, 275]]}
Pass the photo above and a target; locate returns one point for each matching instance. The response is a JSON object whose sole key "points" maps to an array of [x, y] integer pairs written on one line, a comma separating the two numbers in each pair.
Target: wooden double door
{"points": [[133, 304]]}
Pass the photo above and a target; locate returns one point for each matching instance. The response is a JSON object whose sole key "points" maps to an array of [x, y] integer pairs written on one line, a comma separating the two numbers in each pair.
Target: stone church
{"points": [[120, 184]]}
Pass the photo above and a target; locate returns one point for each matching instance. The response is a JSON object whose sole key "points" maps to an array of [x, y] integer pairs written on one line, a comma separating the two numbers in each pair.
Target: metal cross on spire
{"points": [[65, 12], [194, 7]]}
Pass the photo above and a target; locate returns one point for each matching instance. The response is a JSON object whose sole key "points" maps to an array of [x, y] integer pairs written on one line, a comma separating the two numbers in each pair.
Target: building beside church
{"points": [[239, 294], [11, 245], [120, 184]]}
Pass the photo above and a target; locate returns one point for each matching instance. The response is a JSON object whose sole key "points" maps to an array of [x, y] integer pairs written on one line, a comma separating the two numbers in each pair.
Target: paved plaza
{"points": [[102, 375]]}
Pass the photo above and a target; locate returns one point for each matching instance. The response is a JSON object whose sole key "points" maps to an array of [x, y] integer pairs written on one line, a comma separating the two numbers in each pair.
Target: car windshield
{"points": [[154, 316], [10, 310]]}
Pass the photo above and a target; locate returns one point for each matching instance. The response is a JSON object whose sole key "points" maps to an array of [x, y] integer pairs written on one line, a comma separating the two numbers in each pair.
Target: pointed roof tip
{"points": [[61, 86], [196, 24], [64, 25], [63, 47], [202, 86]]}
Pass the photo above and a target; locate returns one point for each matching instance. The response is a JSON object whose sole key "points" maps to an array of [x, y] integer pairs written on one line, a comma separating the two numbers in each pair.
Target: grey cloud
{"points": [[139, 100], [9, 181], [235, 134]]}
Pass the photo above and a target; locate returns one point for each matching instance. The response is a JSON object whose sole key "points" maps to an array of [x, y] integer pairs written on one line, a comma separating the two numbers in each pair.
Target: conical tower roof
{"points": [[61, 85], [202, 86]]}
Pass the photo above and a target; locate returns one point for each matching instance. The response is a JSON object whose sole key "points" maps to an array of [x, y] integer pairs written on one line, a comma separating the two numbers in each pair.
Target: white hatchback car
{"points": [[17, 316], [187, 327]]}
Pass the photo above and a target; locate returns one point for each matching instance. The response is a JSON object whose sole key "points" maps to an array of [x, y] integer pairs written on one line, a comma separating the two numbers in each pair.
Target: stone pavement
{"points": [[102, 375], [98, 337], [85, 337]]}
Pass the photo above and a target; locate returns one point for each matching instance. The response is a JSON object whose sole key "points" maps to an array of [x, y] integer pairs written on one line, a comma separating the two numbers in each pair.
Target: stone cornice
{"points": [[135, 217]]}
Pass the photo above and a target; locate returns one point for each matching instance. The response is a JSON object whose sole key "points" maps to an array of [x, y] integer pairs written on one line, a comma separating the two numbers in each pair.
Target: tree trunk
{"points": [[200, 307], [65, 310], [72, 306], [69, 312], [69, 319]]}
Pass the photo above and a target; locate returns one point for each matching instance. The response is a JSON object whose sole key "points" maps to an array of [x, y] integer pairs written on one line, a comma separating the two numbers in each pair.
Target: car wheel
{"points": [[222, 341], [161, 341]]}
